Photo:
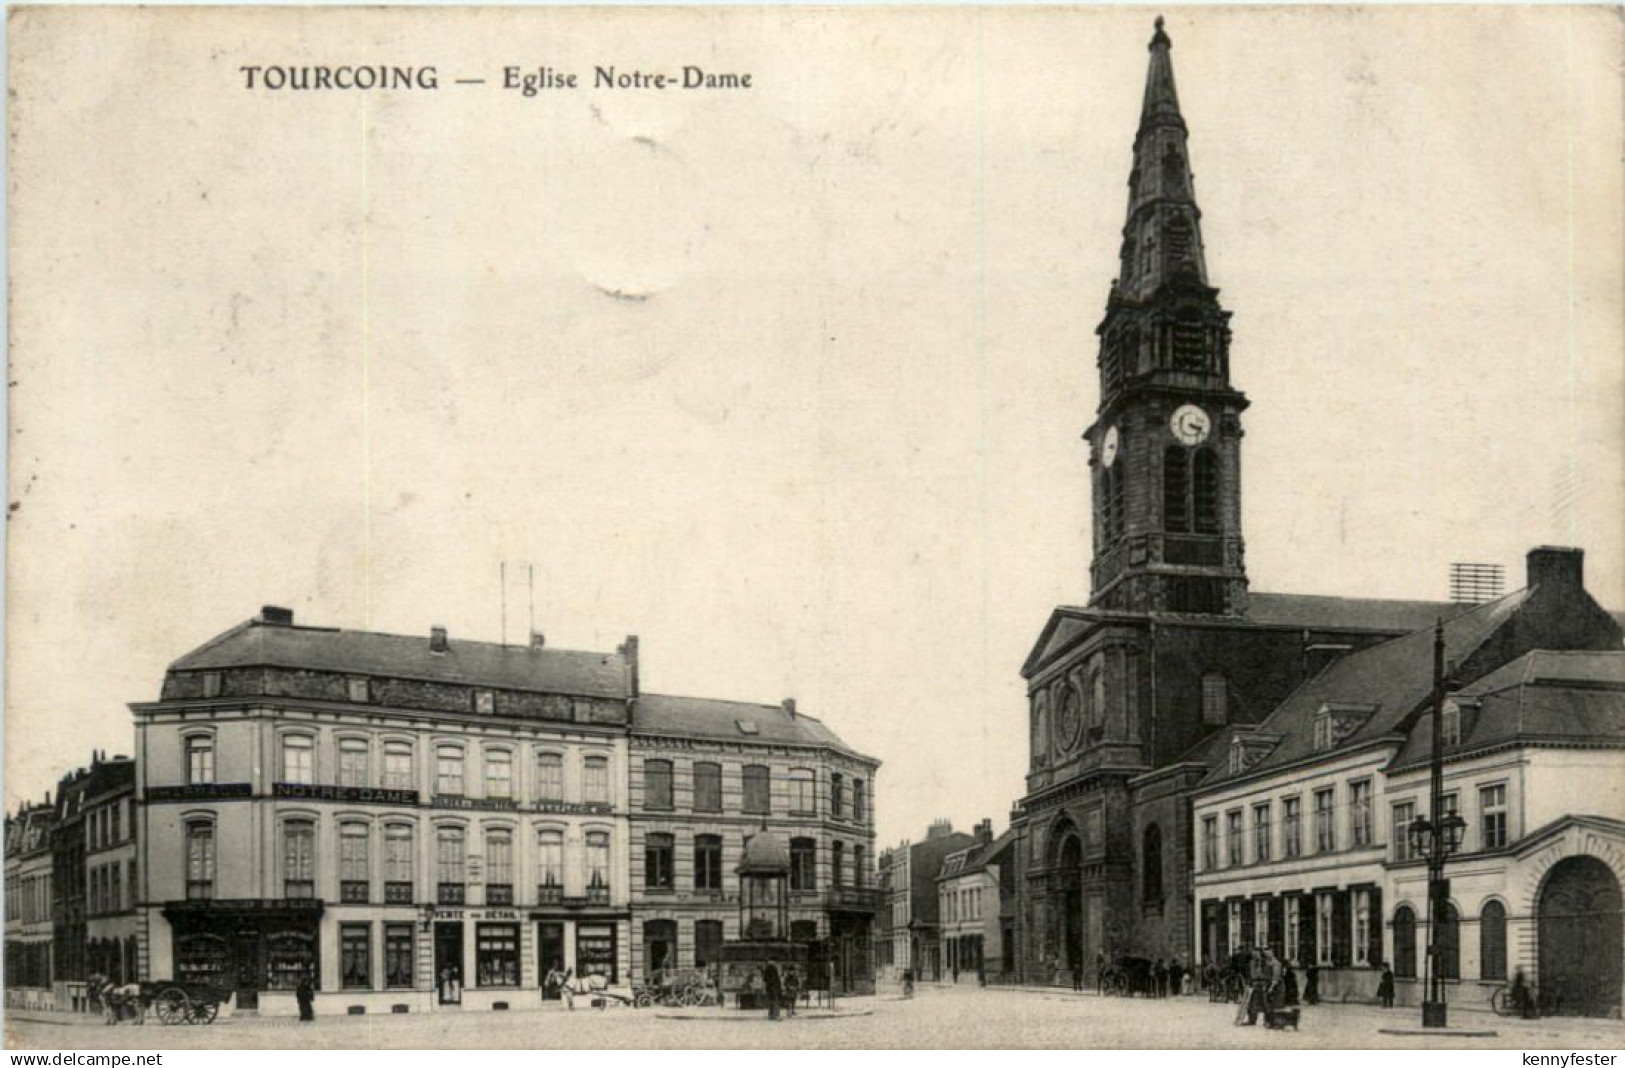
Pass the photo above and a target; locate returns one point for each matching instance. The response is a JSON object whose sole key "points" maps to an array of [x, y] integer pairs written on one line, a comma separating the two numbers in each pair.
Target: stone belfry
{"points": [[1165, 446]]}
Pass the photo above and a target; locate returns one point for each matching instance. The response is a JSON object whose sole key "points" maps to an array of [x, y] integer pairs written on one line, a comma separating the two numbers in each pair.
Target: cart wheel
{"points": [[172, 1006], [643, 999], [202, 1012]]}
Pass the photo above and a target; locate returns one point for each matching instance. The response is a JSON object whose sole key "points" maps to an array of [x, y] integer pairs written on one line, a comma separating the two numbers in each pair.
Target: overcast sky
{"points": [[787, 381]]}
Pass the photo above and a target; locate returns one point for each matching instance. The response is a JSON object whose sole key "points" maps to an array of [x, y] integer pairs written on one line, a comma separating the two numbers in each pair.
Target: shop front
{"points": [[247, 947]]}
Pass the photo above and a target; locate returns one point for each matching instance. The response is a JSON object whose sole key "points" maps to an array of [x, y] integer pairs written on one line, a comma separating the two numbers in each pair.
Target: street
{"points": [[937, 1017]]}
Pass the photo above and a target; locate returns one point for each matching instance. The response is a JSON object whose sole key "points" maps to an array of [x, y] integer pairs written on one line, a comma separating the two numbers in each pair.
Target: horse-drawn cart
{"points": [[177, 1002]]}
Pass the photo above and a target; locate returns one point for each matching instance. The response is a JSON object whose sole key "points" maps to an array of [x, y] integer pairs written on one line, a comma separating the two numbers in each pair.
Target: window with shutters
{"points": [[708, 786], [657, 784], [707, 862], [1362, 927], [298, 759], [449, 770], [1405, 942], [549, 777], [1492, 941], [399, 862], [757, 798], [595, 780], [499, 867], [398, 766], [499, 774], [1176, 515], [354, 878], [451, 871], [353, 762], [299, 859]]}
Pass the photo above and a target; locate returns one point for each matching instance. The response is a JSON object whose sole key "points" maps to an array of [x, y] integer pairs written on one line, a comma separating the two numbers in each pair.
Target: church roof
{"points": [[1545, 696]]}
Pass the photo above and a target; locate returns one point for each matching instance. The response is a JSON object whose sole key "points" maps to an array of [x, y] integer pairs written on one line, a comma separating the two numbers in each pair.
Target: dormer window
{"points": [[211, 684], [357, 689], [1247, 749], [485, 702], [746, 726], [1451, 723], [1335, 722]]}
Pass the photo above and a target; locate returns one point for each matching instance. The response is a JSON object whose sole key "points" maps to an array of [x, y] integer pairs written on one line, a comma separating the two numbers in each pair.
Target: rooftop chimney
{"points": [[537, 639], [790, 706], [939, 829], [276, 617], [1557, 566], [438, 642], [984, 831], [629, 650]]}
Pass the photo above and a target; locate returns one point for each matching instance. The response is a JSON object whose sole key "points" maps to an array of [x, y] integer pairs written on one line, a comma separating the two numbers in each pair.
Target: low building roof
{"points": [[736, 721], [258, 643]]}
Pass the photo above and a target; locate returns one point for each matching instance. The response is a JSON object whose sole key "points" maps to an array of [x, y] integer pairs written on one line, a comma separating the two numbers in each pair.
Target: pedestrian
{"points": [[1385, 987], [305, 995], [1100, 971], [792, 989], [567, 989], [1289, 981], [1077, 976], [107, 994], [1522, 1003], [1311, 985], [1159, 979], [771, 989]]}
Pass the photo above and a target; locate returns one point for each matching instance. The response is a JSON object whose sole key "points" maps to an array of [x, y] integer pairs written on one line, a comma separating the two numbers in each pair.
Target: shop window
{"points": [[549, 777], [549, 867], [707, 942], [355, 956], [597, 867], [354, 877], [298, 759], [398, 766], [657, 862], [595, 780], [1492, 941], [200, 760], [450, 872], [707, 787], [659, 945], [803, 864], [499, 774], [449, 770], [595, 951], [299, 859], [657, 784], [353, 762], [803, 794], [398, 864], [499, 868], [202, 958], [707, 862], [757, 799], [496, 954], [399, 955], [290, 956], [1405, 942]]}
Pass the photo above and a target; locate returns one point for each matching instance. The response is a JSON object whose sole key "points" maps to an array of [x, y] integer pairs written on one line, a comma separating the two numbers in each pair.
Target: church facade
{"points": [[1133, 694]]}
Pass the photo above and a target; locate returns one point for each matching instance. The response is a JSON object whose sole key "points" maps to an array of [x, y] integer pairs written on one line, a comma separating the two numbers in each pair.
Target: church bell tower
{"points": [[1165, 446]]}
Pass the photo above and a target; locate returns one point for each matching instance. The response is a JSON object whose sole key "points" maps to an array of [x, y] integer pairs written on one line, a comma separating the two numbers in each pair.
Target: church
{"points": [[1134, 695]]}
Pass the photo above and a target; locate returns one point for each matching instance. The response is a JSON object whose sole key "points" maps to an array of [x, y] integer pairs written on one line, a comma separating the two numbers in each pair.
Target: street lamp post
{"points": [[1436, 840]]}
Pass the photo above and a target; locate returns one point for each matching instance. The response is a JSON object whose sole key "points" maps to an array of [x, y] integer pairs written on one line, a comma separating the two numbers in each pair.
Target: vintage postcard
{"points": [[815, 527]]}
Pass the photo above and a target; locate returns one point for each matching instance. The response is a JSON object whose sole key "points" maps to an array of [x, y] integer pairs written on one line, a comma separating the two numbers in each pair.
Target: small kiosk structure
{"points": [[764, 924]]}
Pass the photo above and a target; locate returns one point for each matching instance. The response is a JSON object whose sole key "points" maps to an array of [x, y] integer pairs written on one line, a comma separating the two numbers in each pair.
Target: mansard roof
{"points": [[734, 721], [1543, 697], [258, 643]]}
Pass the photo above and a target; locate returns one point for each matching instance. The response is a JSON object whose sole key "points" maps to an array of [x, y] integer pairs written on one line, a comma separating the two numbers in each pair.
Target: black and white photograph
{"points": [[880, 528]]}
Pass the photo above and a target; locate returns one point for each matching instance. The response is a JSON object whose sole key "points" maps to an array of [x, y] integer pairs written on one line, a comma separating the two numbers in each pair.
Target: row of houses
{"points": [[417, 823]]}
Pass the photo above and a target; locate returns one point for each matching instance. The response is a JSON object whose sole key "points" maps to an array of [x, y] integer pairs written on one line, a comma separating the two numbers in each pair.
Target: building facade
{"points": [[411, 822], [1303, 831], [922, 910], [29, 932], [112, 874], [973, 902], [705, 776]]}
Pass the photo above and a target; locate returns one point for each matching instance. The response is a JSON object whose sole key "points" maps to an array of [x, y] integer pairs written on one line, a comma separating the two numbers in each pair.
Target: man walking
{"points": [[772, 988], [305, 995]]}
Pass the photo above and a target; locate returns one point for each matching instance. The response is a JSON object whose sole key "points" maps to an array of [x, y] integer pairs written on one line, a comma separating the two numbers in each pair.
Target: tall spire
{"points": [[1162, 238]]}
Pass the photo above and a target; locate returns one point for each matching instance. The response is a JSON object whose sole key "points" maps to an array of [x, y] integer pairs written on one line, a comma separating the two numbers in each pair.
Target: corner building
{"points": [[415, 822], [705, 776], [1131, 695]]}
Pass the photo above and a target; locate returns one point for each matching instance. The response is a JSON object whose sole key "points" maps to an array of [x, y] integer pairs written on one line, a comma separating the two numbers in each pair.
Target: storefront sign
{"points": [[203, 791], [364, 795], [587, 808], [475, 914], [500, 804]]}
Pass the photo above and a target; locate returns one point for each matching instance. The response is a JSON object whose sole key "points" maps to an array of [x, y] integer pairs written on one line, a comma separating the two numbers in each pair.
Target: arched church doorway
{"points": [[1069, 866], [1580, 939]]}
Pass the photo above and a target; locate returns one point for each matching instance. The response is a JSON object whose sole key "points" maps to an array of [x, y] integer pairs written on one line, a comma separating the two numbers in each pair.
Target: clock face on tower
{"points": [[1190, 425], [1108, 447]]}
